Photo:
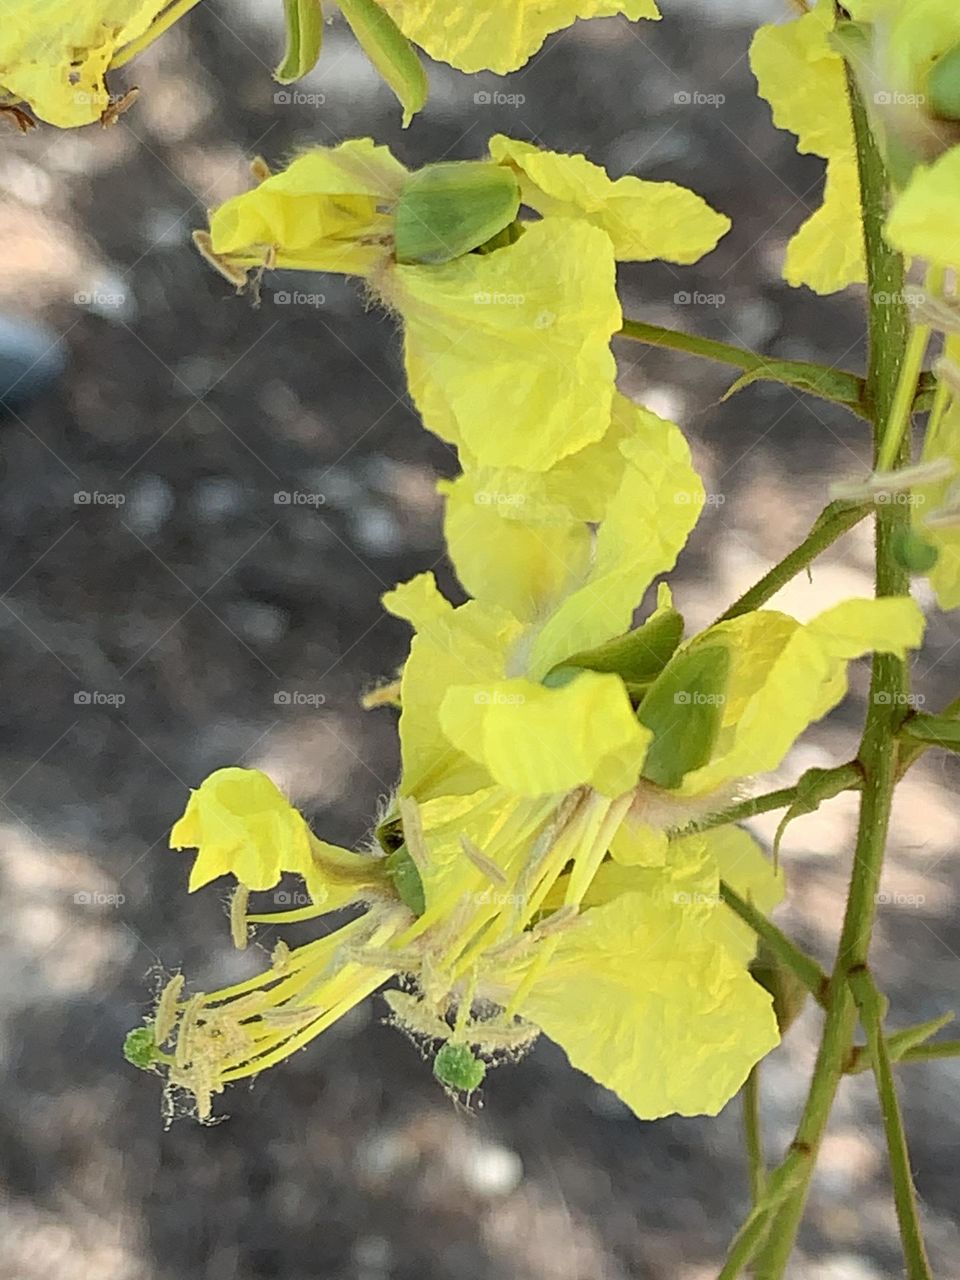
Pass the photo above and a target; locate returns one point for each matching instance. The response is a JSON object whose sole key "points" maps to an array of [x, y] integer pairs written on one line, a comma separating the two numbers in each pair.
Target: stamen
{"points": [[239, 930]]}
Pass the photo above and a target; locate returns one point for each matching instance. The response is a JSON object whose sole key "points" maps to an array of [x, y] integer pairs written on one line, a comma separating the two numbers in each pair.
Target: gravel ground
{"points": [[147, 632]]}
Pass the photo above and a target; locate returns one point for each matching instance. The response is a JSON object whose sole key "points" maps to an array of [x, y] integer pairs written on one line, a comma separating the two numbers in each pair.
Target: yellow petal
{"points": [[523, 565], [644, 220], [497, 35], [827, 252], [54, 53], [536, 741], [804, 80], [507, 353], [648, 1006], [647, 523], [452, 646], [925, 219], [324, 212], [784, 675]]}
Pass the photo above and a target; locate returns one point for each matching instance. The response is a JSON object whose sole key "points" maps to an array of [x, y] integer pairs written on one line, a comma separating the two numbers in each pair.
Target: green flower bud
{"points": [[140, 1047], [448, 210], [684, 708], [943, 86], [458, 1067], [913, 552], [402, 870]]}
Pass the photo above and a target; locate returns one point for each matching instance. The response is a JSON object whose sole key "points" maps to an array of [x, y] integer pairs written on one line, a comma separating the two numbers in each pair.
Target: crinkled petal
{"points": [[784, 675], [537, 741], [54, 53], [508, 353], [803, 78], [827, 252], [646, 526], [497, 35], [644, 220], [738, 860], [451, 647], [641, 1000], [324, 212]]}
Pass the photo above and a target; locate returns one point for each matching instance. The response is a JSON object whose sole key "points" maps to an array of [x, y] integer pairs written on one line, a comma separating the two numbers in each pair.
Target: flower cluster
{"points": [[540, 867]]}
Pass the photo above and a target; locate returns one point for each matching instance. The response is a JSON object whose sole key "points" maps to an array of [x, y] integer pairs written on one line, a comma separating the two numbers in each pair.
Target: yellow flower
{"points": [[497, 35], [242, 825], [802, 76], [516, 933], [924, 220], [54, 54], [475, 705], [507, 323]]}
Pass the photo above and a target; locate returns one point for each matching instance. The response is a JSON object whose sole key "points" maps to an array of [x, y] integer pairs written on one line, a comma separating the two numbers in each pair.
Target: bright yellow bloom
{"points": [[497, 35], [507, 323], [54, 54], [924, 220], [515, 933], [547, 589], [242, 825], [802, 76]]}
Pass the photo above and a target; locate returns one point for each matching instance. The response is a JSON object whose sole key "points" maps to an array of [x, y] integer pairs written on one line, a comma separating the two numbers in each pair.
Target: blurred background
{"points": [[163, 614]]}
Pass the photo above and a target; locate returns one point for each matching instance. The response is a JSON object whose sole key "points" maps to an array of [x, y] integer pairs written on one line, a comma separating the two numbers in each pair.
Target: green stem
{"points": [[832, 522], [849, 775], [753, 1135], [836, 385], [871, 1006], [878, 755], [804, 966]]}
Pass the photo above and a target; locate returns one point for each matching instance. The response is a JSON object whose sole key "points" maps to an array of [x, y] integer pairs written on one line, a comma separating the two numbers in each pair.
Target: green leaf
{"points": [[447, 210], [813, 787], [684, 710], [939, 731], [829, 384], [638, 657], [390, 52], [402, 870], [304, 25]]}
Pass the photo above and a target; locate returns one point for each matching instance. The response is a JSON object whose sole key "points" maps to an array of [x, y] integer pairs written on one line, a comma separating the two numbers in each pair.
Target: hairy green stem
{"points": [[753, 1135], [804, 966], [832, 522], [871, 1006], [878, 750], [836, 385], [849, 777]]}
